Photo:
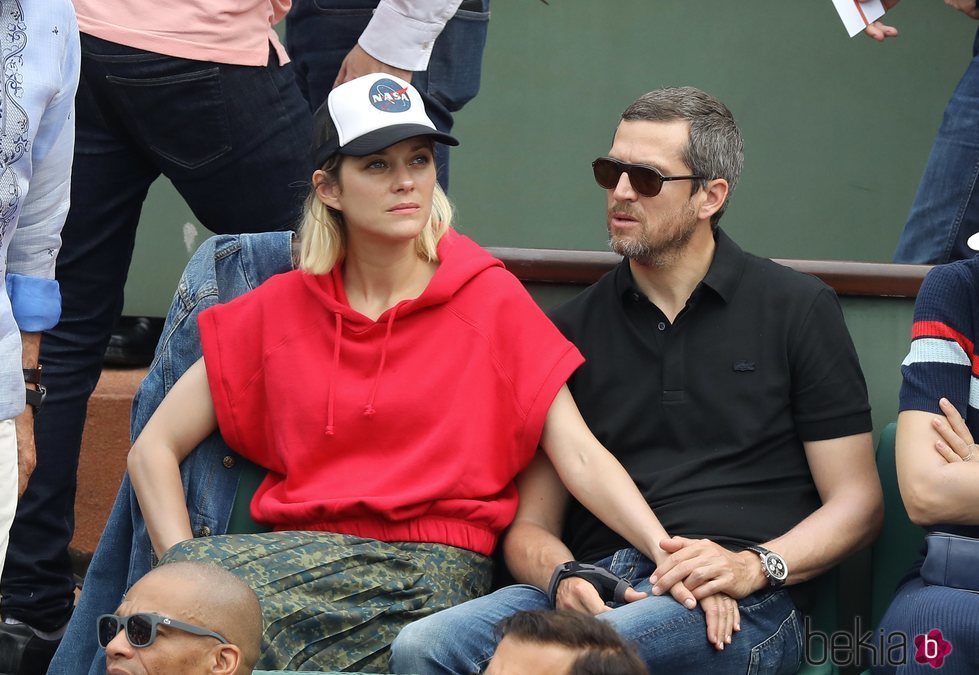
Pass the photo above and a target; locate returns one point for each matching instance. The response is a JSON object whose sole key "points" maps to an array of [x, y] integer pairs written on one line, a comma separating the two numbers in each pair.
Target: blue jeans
{"points": [[320, 33], [234, 142], [670, 638], [945, 212]]}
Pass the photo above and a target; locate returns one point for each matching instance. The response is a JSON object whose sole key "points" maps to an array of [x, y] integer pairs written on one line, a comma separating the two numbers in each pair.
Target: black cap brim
{"points": [[379, 139]]}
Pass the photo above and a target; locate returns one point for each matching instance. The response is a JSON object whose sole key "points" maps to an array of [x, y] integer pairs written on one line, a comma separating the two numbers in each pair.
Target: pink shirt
{"points": [[223, 31]]}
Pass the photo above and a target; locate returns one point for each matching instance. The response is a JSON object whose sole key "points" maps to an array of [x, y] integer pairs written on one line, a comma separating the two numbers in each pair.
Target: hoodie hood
{"points": [[460, 261]]}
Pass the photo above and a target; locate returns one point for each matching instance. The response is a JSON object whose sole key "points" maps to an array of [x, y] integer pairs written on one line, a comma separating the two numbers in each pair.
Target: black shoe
{"points": [[22, 652], [133, 342]]}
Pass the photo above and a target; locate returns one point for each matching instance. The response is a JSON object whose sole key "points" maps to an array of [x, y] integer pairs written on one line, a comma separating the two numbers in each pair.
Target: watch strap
{"points": [[32, 375], [35, 397], [610, 587]]}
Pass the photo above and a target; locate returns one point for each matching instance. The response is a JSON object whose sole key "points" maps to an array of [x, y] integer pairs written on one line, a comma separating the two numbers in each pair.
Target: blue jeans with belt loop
{"points": [[234, 142], [945, 212], [670, 638]]}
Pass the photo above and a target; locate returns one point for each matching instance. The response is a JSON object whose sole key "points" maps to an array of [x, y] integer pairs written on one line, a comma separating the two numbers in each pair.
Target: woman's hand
{"points": [[723, 619], [957, 444]]}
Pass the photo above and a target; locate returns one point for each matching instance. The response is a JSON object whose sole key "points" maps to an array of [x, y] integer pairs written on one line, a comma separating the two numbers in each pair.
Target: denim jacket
{"points": [[223, 268]]}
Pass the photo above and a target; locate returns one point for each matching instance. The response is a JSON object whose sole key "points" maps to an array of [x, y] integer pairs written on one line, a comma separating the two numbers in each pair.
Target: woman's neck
{"points": [[377, 280]]}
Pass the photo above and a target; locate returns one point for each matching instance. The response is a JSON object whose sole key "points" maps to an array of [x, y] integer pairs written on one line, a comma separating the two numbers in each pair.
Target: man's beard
{"points": [[676, 232]]}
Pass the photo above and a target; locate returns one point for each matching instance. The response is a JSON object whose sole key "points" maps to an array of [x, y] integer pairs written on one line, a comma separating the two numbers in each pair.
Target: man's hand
{"points": [[881, 31], [707, 568], [358, 62], [723, 619], [967, 7], [26, 454], [576, 594]]}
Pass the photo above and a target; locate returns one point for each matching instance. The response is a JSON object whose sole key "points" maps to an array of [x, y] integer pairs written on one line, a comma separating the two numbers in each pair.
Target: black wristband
{"points": [[35, 397], [610, 587], [32, 375]]}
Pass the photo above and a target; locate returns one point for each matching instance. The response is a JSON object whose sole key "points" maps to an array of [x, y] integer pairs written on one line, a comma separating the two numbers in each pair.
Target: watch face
{"points": [[776, 567]]}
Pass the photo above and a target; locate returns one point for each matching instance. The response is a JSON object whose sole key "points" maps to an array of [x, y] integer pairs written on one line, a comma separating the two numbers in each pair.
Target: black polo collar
{"points": [[723, 276]]}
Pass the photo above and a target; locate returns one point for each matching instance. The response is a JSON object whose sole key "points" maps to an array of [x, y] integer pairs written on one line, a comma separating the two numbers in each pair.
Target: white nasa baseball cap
{"points": [[368, 114]]}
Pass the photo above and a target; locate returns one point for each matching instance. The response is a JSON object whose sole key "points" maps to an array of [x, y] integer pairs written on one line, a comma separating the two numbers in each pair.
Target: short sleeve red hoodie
{"points": [[408, 428]]}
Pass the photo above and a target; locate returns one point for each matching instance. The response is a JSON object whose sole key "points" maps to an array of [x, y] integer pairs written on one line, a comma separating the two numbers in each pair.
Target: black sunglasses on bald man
{"points": [[645, 180], [141, 628]]}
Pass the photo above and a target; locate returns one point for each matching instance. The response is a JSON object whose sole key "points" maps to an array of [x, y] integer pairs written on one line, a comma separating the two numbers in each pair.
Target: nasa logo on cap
{"points": [[388, 96]]}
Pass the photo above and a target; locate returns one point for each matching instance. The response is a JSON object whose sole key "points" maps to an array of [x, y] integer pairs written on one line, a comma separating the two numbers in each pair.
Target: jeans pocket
{"points": [[189, 140], [457, 57], [780, 653]]}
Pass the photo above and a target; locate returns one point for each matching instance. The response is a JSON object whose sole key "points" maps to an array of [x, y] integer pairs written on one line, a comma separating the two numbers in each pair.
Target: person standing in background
{"points": [[945, 210], [40, 61], [335, 41]]}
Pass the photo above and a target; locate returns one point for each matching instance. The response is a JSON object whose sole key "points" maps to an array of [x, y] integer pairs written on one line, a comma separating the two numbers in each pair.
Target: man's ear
{"points": [[327, 189], [225, 659], [714, 195]]}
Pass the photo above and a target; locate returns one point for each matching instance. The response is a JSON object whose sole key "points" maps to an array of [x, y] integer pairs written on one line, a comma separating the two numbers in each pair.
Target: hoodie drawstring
{"points": [[369, 408], [333, 375]]}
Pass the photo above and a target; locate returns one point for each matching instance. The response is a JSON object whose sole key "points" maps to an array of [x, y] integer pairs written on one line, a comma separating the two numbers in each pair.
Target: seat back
{"points": [[241, 521], [900, 540]]}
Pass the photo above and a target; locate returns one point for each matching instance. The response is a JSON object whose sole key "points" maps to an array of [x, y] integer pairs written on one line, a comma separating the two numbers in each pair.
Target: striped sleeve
{"points": [[942, 357]]}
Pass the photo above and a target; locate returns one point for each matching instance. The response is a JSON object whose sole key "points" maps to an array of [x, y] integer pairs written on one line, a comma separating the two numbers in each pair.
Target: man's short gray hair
{"points": [[715, 148]]}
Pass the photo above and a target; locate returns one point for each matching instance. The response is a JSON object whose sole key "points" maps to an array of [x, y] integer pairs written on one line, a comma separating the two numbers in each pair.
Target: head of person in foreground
{"points": [[562, 642], [185, 617]]}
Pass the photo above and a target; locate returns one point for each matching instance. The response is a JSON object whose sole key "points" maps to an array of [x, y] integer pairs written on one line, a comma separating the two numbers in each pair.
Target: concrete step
{"points": [[102, 463]]}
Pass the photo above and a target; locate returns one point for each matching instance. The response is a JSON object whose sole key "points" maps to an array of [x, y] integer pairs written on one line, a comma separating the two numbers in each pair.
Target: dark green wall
{"points": [[837, 129]]}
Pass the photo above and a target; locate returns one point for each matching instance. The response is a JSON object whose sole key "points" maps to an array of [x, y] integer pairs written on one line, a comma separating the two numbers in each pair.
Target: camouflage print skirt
{"points": [[336, 602]]}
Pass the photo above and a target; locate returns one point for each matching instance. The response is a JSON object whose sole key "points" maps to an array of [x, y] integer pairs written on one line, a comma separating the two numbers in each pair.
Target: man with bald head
{"points": [[184, 617]]}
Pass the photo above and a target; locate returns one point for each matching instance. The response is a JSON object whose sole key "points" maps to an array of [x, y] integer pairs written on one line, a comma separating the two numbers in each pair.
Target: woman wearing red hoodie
{"points": [[394, 387]]}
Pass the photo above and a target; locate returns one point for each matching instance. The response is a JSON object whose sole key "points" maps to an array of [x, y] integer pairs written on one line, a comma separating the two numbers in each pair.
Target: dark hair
{"points": [[715, 148], [602, 650]]}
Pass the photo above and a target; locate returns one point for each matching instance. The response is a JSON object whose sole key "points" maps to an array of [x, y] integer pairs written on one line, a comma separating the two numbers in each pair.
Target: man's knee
{"points": [[413, 645]]}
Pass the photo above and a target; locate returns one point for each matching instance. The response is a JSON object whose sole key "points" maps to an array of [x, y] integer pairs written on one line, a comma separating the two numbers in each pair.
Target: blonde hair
{"points": [[323, 236]]}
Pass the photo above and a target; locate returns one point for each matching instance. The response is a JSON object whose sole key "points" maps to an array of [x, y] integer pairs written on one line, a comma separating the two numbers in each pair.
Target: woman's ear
{"points": [[327, 189]]}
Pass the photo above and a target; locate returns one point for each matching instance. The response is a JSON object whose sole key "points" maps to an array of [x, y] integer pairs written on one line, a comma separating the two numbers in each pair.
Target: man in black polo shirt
{"points": [[730, 390]]}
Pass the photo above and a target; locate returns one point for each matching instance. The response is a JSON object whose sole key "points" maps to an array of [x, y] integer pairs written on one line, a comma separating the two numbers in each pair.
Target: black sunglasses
{"points": [[141, 628], [645, 180]]}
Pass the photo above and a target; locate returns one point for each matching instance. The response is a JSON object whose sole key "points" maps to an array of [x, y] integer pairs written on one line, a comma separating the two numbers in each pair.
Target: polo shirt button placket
{"points": [[661, 325]]}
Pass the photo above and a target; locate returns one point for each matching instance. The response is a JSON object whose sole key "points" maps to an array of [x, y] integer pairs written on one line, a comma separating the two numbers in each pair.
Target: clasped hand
{"points": [[957, 444]]}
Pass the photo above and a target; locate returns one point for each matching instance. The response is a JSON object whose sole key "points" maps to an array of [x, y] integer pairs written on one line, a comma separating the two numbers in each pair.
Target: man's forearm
{"points": [[832, 532], [532, 552]]}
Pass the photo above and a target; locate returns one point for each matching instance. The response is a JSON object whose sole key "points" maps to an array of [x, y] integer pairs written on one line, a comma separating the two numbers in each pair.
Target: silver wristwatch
{"points": [[773, 565]]}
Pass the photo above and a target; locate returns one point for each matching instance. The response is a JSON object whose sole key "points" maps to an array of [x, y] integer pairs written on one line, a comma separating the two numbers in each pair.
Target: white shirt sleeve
{"points": [[402, 32]]}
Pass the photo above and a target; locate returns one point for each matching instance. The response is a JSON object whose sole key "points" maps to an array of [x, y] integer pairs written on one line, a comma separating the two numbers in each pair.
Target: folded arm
{"points": [[936, 485], [183, 419]]}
